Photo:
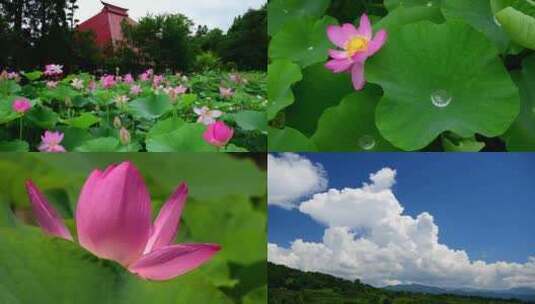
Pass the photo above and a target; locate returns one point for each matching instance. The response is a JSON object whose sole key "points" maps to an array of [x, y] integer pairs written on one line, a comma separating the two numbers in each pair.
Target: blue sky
{"points": [[482, 203]]}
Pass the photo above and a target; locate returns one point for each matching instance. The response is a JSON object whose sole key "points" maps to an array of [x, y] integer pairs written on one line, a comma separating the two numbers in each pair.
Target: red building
{"points": [[107, 24]]}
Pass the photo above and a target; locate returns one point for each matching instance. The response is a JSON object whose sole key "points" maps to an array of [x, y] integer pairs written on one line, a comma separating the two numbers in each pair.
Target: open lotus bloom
{"points": [[113, 220], [356, 45]]}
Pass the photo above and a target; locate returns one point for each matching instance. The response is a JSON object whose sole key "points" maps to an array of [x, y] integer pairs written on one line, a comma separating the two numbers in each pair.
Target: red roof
{"points": [[107, 24]]}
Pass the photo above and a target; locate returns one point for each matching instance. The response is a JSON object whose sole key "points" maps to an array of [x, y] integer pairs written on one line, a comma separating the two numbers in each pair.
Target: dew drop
{"points": [[429, 4], [441, 98], [310, 48], [497, 22], [367, 142]]}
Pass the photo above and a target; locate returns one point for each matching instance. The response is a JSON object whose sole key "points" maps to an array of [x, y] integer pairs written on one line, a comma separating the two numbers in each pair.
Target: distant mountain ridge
{"points": [[521, 293], [292, 286]]}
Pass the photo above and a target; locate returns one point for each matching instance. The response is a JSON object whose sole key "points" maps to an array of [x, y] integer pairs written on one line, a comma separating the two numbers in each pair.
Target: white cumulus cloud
{"points": [[369, 237], [292, 177]]}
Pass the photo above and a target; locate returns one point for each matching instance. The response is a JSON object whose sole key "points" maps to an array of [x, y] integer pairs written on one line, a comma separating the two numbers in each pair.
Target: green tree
{"points": [[247, 40], [206, 40], [162, 41]]}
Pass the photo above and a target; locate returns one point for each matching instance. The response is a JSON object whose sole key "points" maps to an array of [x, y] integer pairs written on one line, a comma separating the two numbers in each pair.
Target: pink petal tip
{"points": [[169, 262], [46, 216]]}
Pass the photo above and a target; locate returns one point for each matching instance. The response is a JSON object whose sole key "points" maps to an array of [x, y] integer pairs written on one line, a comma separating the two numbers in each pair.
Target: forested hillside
{"points": [[290, 286]]}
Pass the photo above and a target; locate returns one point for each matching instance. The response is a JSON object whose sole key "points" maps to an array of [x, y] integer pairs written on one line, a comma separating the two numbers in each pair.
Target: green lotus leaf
{"points": [[6, 112], [14, 146], [80, 101], [151, 107], [102, 144], [107, 144], [7, 218], [54, 270], [455, 144], [498, 5], [519, 25], [43, 117], [243, 239], [129, 148], [282, 11], [303, 41], [233, 149], [188, 99], [478, 14], [259, 295], [174, 135], [60, 93], [289, 140], [406, 15], [84, 121], [251, 120], [394, 4], [73, 137], [439, 78], [189, 288], [32, 76], [521, 136], [350, 126], [282, 74], [9, 87], [319, 90]]}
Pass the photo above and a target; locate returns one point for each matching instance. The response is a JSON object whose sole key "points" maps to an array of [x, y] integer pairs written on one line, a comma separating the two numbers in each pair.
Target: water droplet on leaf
{"points": [[441, 98], [497, 22], [367, 142], [310, 48]]}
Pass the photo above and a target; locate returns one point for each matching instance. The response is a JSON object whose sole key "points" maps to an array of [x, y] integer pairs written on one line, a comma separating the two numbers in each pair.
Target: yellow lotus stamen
{"points": [[356, 45]]}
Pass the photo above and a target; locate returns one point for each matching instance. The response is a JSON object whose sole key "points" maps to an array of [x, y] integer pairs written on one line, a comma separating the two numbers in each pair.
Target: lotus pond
{"points": [[210, 111], [410, 75]]}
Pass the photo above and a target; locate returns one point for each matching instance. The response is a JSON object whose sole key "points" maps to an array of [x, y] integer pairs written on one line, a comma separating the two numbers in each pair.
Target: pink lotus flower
{"points": [[135, 90], [53, 70], [50, 142], [92, 86], [226, 92], [237, 78], [113, 221], [145, 76], [107, 81], [218, 134], [157, 80], [51, 84], [77, 83], [128, 79], [207, 116], [357, 46], [13, 76], [181, 89], [121, 100], [176, 91], [21, 105]]}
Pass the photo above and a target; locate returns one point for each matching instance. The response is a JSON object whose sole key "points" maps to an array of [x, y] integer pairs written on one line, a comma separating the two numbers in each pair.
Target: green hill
{"points": [[290, 286]]}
